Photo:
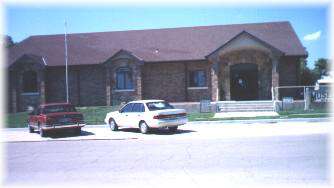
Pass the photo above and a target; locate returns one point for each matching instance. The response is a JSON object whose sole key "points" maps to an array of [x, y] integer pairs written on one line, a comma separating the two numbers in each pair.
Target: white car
{"points": [[146, 114]]}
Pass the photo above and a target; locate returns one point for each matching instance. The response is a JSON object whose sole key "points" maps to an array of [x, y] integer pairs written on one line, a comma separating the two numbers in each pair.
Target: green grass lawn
{"points": [[96, 114], [93, 115], [17, 120]]}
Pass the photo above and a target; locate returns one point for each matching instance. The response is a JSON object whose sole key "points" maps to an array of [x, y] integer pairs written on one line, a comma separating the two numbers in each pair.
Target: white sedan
{"points": [[146, 114]]}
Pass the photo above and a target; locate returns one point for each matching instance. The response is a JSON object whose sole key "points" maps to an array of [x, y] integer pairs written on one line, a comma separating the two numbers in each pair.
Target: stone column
{"points": [[14, 98], [275, 75], [138, 82], [226, 82], [108, 87], [214, 82], [42, 87]]}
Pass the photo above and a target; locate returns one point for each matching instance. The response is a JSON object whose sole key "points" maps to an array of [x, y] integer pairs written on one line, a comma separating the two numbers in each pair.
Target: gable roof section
{"points": [[30, 58], [263, 43], [154, 45], [124, 52]]}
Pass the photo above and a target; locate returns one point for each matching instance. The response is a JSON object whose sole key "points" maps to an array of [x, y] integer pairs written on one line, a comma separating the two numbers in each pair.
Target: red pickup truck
{"points": [[55, 116]]}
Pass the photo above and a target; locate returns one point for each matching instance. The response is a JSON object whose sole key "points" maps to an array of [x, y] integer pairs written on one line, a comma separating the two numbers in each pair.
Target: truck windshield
{"points": [[161, 105], [58, 108]]}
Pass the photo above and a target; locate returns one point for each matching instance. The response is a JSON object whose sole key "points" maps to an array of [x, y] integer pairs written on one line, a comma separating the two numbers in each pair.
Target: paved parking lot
{"points": [[198, 155], [192, 130]]}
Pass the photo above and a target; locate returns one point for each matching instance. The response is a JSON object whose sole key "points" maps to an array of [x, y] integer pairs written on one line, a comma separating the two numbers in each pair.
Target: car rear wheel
{"points": [[143, 127], [112, 124], [172, 129], [31, 129], [78, 131]]}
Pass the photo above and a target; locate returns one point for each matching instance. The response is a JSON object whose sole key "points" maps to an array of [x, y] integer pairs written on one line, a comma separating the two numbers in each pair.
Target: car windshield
{"points": [[58, 108], [160, 105]]}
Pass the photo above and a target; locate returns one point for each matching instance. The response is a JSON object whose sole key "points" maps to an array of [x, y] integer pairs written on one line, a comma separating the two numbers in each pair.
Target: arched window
{"points": [[124, 78], [29, 81]]}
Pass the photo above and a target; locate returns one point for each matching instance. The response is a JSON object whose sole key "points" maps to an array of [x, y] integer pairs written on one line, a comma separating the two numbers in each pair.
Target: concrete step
{"points": [[245, 106], [247, 110]]}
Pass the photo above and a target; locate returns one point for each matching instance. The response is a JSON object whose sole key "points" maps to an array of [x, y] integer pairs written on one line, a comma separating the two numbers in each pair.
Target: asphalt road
{"points": [[195, 161]]}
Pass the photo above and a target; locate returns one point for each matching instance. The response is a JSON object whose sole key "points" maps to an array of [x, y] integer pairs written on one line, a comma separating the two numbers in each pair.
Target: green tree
{"points": [[321, 68], [8, 41], [307, 76]]}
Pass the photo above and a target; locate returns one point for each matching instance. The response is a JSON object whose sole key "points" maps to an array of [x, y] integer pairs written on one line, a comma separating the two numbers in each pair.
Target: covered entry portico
{"points": [[244, 68]]}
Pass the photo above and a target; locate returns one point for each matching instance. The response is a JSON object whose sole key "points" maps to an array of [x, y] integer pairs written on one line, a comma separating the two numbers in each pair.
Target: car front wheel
{"points": [[143, 127], [112, 124], [172, 129], [42, 132]]}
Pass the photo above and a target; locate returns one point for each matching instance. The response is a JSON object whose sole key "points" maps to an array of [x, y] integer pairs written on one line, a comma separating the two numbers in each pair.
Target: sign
{"points": [[322, 94], [287, 99], [205, 106]]}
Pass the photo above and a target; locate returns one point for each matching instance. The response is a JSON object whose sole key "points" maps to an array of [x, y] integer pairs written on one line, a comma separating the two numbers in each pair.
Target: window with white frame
{"points": [[197, 78], [124, 78]]}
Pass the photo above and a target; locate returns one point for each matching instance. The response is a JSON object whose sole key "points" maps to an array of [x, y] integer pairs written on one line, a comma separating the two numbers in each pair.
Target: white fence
{"points": [[312, 97]]}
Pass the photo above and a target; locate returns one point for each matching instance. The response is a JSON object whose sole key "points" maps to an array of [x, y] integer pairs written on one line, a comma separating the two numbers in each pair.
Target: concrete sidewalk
{"points": [[252, 121], [244, 114]]}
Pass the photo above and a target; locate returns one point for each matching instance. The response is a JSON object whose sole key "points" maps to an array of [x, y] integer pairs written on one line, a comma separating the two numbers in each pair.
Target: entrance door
{"points": [[244, 81]]}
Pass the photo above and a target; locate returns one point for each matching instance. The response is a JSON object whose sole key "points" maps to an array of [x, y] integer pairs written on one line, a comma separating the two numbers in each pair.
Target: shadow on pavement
{"points": [[157, 131], [66, 134]]}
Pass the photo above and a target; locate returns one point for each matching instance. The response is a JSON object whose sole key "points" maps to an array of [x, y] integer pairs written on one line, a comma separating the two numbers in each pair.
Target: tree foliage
{"points": [[8, 41], [321, 68], [310, 76]]}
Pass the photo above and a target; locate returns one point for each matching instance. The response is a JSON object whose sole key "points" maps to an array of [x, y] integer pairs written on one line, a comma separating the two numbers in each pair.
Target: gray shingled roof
{"points": [[188, 43]]}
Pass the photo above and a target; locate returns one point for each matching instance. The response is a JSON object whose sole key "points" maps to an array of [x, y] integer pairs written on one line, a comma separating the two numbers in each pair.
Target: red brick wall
{"points": [[168, 81], [288, 71], [164, 81], [86, 85]]}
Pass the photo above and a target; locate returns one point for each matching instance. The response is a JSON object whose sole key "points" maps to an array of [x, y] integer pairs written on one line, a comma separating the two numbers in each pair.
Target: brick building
{"points": [[223, 62]]}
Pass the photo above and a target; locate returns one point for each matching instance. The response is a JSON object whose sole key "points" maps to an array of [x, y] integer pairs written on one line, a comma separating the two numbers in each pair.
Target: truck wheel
{"points": [[143, 127], [112, 124]]}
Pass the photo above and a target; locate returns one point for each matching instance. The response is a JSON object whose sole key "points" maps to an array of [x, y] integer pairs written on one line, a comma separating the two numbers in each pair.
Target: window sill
{"points": [[30, 93], [197, 88], [124, 90]]}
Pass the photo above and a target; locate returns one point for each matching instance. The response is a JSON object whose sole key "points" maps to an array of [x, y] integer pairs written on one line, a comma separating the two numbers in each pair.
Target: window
{"points": [[29, 82], [138, 107], [197, 78], [59, 108], [152, 106], [124, 78], [127, 108]]}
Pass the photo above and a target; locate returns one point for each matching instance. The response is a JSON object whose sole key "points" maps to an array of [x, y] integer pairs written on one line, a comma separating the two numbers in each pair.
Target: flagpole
{"points": [[66, 72]]}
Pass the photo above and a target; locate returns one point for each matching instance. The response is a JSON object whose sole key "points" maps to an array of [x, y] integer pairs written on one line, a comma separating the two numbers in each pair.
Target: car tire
{"points": [[143, 127], [31, 129], [112, 125], [172, 129], [42, 132]]}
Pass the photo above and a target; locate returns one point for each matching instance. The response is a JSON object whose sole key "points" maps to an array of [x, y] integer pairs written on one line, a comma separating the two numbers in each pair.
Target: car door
{"points": [[136, 115], [123, 118]]}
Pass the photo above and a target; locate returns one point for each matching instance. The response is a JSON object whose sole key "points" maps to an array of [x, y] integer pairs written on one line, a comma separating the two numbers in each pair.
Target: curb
{"points": [[264, 121], [64, 140]]}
